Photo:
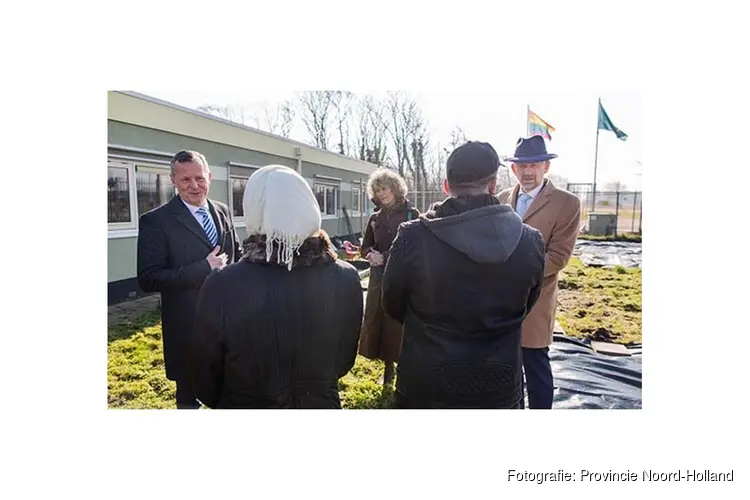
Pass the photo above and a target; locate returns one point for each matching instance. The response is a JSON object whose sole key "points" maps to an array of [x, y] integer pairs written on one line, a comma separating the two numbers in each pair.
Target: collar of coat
{"points": [[315, 250], [539, 201], [460, 204]]}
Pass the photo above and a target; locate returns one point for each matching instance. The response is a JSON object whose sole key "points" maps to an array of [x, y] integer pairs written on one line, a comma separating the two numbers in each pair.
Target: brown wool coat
{"points": [[381, 335], [556, 213]]}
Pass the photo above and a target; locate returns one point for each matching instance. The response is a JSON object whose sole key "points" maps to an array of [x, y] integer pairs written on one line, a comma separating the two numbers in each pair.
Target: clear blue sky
{"points": [[500, 118]]}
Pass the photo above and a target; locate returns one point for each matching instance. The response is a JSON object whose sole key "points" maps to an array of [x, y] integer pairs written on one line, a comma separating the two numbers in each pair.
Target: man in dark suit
{"points": [[179, 244]]}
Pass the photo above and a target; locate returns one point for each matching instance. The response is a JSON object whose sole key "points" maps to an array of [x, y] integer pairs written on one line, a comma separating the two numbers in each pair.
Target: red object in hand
{"points": [[350, 249]]}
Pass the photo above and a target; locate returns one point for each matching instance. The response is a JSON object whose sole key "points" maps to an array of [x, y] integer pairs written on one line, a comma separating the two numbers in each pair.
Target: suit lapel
{"points": [[540, 200], [183, 215]]}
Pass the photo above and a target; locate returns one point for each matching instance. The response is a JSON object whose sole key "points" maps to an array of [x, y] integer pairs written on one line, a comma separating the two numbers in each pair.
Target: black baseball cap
{"points": [[471, 162]]}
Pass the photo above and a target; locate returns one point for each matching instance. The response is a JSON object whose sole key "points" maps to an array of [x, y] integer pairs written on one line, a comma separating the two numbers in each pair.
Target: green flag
{"points": [[606, 124]]}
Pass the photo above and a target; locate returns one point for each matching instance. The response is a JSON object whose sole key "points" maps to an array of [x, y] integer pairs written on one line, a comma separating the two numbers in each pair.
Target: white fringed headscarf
{"points": [[279, 203]]}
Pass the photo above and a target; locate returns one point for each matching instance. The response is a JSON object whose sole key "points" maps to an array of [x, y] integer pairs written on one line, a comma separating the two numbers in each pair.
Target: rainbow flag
{"points": [[537, 126]]}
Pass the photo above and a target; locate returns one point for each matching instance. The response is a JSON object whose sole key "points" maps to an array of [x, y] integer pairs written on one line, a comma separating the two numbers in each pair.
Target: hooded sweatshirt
{"points": [[462, 279]]}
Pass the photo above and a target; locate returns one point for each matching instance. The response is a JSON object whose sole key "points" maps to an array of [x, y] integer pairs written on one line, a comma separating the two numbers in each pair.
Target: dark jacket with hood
{"points": [[461, 279]]}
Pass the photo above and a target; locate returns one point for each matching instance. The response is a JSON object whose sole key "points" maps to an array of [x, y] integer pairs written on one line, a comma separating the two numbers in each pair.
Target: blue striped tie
{"points": [[208, 226]]}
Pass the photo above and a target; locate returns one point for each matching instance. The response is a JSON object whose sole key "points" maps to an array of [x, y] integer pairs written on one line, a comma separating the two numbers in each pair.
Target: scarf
{"points": [[280, 205]]}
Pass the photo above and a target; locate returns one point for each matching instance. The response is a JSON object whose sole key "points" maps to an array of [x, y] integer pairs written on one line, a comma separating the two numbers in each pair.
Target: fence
{"points": [[423, 200], [626, 205]]}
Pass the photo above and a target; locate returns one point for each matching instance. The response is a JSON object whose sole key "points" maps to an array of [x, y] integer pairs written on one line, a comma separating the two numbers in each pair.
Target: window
{"points": [[118, 195], [238, 192], [134, 189], [328, 198], [239, 174], [154, 188], [356, 200]]}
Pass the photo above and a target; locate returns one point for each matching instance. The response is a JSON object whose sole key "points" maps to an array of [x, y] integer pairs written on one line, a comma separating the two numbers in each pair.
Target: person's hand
{"points": [[215, 260], [375, 258]]}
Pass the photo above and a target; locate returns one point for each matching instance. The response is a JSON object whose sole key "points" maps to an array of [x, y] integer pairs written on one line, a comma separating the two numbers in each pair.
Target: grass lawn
{"points": [[135, 365], [595, 303], [136, 379], [600, 304]]}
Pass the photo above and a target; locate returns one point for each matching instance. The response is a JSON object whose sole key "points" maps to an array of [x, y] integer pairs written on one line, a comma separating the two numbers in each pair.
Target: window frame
{"points": [[237, 220], [335, 185], [125, 228], [358, 209]]}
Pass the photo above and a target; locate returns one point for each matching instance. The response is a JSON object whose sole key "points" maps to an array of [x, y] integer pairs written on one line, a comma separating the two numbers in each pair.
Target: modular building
{"points": [[144, 133]]}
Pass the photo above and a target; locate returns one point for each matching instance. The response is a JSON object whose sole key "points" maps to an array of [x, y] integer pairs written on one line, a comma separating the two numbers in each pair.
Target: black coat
{"points": [[172, 250], [267, 337], [462, 280]]}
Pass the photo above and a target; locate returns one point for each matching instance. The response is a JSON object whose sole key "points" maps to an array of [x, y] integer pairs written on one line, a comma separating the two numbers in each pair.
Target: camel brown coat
{"points": [[556, 213]]}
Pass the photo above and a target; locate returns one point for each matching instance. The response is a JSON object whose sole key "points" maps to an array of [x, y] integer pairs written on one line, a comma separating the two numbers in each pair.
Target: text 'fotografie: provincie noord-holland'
{"points": [[687, 475]]}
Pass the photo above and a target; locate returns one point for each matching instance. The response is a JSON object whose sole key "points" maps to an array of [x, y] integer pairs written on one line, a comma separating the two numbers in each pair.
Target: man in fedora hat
{"points": [[556, 213]]}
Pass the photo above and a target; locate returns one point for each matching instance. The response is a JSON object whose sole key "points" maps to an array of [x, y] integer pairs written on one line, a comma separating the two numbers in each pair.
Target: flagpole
{"points": [[596, 154], [528, 132]]}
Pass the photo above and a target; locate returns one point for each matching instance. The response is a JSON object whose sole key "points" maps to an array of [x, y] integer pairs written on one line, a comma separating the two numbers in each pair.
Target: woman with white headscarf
{"points": [[280, 327]]}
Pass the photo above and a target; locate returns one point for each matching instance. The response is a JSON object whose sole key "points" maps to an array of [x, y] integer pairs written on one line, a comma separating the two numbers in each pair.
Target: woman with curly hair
{"points": [[381, 335]]}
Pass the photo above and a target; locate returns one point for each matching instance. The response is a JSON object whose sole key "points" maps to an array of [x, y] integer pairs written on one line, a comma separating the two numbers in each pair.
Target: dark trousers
{"points": [[186, 399], [538, 375]]}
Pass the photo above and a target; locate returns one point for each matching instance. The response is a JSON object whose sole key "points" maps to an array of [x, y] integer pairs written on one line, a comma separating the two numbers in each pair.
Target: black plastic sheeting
{"points": [[587, 379], [608, 253]]}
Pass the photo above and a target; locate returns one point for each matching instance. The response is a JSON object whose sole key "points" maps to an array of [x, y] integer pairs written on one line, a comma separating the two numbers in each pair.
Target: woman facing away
{"points": [[381, 335], [280, 327]]}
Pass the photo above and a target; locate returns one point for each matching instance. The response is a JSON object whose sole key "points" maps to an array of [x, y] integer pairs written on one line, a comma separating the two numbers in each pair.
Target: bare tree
{"points": [[505, 177], [458, 137], [342, 101], [288, 114], [277, 118], [406, 125], [326, 111], [435, 168], [371, 130], [316, 108]]}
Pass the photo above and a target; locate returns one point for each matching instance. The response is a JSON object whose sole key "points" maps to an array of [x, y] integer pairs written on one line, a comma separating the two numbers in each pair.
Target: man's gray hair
{"points": [[187, 155]]}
